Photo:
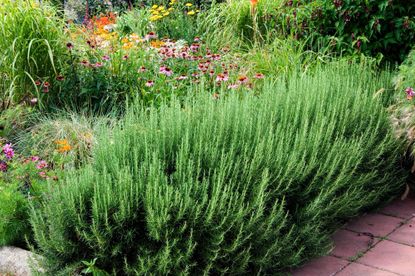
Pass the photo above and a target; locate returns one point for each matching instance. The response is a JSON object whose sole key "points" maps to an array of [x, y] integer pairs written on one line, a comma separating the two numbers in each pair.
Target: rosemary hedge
{"points": [[230, 185]]}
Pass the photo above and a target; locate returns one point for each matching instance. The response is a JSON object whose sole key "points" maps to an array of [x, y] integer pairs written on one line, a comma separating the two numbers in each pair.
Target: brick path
{"points": [[376, 244]]}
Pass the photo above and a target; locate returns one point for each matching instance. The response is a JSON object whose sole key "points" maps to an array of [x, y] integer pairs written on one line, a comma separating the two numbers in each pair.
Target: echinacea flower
{"points": [[84, 62], [149, 83], [41, 165], [69, 46], [43, 174], [38, 83], [243, 79], [60, 78], [222, 77], [151, 35], [181, 77], [106, 58], [125, 57], [98, 65], [3, 166], [8, 151], [259, 76], [33, 100], [142, 69], [233, 86], [410, 93], [35, 158], [166, 71], [46, 84]]}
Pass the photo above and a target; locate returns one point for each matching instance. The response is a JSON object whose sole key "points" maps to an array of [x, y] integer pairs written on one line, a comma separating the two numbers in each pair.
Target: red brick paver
{"points": [[404, 234], [376, 224], [350, 244], [356, 269], [391, 256], [376, 244]]}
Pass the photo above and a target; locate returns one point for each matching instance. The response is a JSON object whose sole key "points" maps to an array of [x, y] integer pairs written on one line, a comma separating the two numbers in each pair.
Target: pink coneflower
{"points": [[211, 73], [410, 93], [125, 57], [41, 165], [98, 65], [106, 58], [43, 174], [149, 83], [69, 46], [197, 39], [33, 101], [142, 69], [46, 84], [243, 79], [233, 86], [181, 77], [195, 75], [8, 151], [35, 158], [3, 166], [150, 35], [38, 83], [222, 77], [60, 78], [166, 71], [84, 62], [194, 47], [259, 76]]}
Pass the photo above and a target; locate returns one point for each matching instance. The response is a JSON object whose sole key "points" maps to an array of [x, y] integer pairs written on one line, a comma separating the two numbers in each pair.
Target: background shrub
{"points": [[383, 29], [227, 186]]}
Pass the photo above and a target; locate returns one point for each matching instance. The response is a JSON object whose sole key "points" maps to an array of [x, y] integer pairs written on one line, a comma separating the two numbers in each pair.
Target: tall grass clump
{"points": [[32, 48], [227, 186]]}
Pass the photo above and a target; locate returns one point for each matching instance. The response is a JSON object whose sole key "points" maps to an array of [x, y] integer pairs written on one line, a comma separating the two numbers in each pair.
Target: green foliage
{"points": [[22, 180], [227, 186], [406, 74], [31, 47]]}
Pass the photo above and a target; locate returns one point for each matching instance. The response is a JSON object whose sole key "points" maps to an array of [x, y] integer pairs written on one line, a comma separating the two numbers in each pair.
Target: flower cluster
{"points": [[20, 165], [159, 12], [63, 146]]}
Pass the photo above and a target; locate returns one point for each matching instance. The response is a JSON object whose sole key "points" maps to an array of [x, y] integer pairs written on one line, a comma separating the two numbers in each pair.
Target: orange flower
{"points": [[254, 3], [63, 146]]}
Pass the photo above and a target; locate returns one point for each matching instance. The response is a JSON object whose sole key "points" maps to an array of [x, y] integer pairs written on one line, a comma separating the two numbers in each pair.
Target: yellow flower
{"points": [[189, 4], [170, 9], [197, 10], [161, 8], [166, 13], [191, 12], [125, 40], [154, 7]]}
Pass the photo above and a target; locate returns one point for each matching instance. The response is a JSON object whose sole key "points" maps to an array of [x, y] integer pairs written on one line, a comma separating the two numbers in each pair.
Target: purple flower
{"points": [[3, 166], [410, 92], [8, 151], [106, 58]]}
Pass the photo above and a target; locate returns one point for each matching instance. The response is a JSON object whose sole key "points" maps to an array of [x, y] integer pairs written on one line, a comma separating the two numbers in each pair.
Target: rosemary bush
{"points": [[227, 186]]}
